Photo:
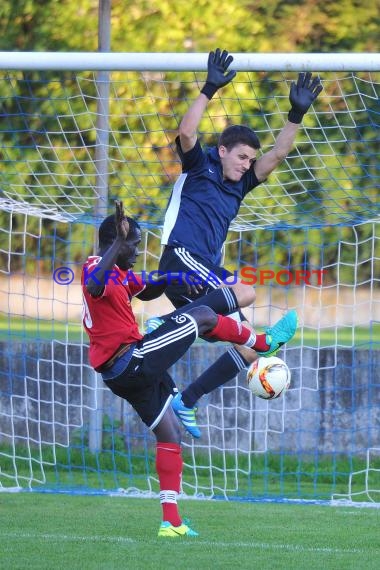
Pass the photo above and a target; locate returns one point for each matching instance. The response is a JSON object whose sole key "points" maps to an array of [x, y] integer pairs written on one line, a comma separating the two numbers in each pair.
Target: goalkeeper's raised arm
{"points": [[218, 76], [302, 95]]}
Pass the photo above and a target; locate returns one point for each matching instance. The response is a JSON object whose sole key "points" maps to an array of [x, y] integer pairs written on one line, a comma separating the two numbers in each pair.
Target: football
{"points": [[268, 378]]}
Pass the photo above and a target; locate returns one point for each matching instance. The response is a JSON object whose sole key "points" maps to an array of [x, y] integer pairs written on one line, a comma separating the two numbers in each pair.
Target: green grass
{"points": [[359, 337], [40, 531], [18, 329], [23, 329]]}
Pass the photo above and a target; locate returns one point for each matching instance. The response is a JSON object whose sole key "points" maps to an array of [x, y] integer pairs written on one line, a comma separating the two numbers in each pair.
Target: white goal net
{"points": [[73, 140]]}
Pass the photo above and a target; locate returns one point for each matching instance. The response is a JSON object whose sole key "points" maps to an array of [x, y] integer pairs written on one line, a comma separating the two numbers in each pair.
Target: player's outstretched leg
{"points": [[186, 416], [168, 530], [283, 331]]}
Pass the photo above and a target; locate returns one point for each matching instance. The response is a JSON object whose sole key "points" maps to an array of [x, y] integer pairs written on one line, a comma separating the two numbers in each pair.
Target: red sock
{"points": [[229, 330], [169, 469], [261, 343]]}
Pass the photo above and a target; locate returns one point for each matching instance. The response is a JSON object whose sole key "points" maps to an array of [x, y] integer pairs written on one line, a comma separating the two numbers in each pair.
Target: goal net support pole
{"points": [[101, 184]]}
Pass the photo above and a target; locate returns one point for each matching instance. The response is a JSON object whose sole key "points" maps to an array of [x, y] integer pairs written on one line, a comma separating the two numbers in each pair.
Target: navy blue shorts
{"points": [[142, 376], [177, 259]]}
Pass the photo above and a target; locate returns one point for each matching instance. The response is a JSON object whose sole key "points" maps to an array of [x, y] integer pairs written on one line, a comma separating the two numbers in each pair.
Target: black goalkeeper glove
{"points": [[217, 66], [302, 95]]}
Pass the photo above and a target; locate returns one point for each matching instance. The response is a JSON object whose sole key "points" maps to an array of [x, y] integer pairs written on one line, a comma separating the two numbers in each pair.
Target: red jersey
{"points": [[109, 320]]}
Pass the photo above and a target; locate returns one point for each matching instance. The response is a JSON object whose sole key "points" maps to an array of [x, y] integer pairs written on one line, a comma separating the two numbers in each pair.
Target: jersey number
{"points": [[86, 314]]}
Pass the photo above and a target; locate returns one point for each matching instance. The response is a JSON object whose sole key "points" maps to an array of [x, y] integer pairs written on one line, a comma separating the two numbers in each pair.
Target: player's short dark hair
{"points": [[107, 230], [238, 134]]}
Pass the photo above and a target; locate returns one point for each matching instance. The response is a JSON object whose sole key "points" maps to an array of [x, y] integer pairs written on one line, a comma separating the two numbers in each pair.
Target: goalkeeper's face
{"points": [[236, 161]]}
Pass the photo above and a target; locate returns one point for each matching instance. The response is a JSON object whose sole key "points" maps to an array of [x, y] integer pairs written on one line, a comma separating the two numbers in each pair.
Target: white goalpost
{"points": [[81, 129]]}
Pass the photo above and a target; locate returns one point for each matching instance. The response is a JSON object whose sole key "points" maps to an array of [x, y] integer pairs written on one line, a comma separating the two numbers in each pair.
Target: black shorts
{"points": [[176, 260], [145, 383]]}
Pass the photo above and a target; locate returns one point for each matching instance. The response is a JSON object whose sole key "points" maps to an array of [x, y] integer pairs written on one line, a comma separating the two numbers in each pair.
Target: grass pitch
{"points": [[48, 531]]}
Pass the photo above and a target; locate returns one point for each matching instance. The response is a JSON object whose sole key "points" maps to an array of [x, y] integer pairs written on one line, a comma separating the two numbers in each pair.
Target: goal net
{"points": [[308, 238]]}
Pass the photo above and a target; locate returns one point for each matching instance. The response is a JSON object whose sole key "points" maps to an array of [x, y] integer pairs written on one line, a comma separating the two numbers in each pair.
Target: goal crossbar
{"points": [[95, 61]]}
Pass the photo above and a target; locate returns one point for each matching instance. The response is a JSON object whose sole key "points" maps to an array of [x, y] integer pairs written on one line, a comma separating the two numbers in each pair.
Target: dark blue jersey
{"points": [[202, 205]]}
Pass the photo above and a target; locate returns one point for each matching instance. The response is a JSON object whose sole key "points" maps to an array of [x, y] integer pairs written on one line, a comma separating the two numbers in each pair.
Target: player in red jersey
{"points": [[134, 366]]}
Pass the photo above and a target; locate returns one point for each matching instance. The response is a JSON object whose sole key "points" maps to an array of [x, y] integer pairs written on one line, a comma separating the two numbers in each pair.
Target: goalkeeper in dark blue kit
{"points": [[204, 201]]}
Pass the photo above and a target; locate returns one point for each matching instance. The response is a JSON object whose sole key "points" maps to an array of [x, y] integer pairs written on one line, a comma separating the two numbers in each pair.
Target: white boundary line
{"points": [[198, 541]]}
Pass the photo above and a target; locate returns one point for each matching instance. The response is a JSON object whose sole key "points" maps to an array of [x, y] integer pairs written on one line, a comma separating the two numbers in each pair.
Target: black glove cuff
{"points": [[295, 116], [209, 89]]}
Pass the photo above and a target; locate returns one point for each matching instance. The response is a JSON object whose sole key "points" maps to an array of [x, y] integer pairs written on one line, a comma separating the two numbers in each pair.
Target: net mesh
{"points": [[49, 129], [319, 212]]}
